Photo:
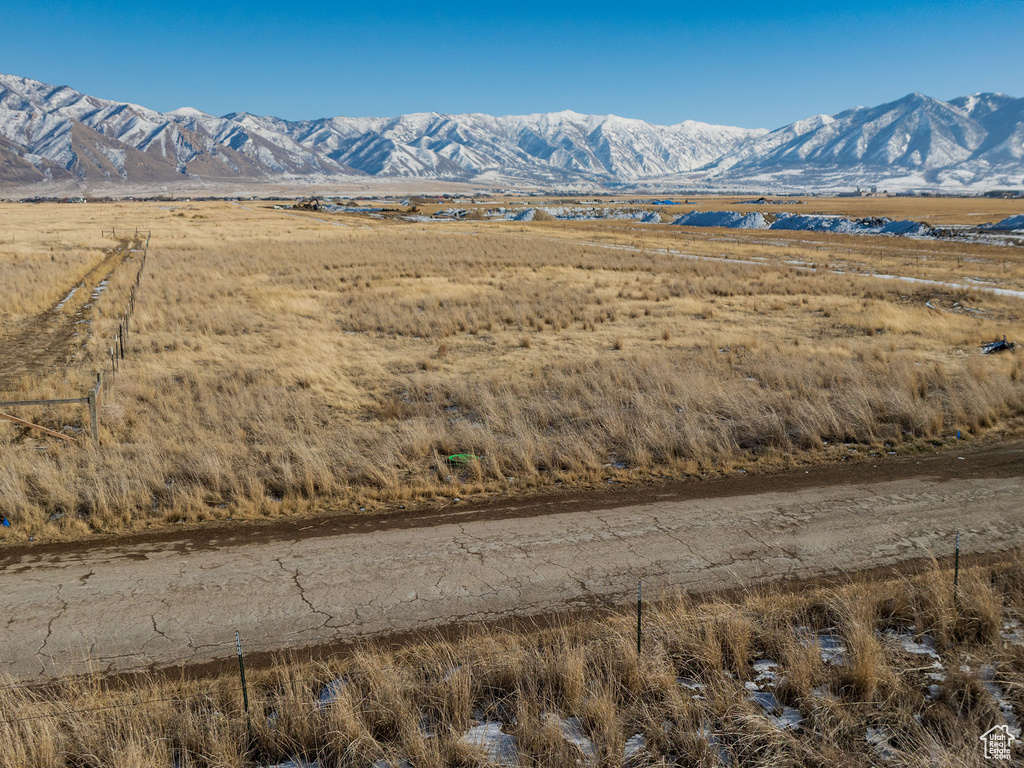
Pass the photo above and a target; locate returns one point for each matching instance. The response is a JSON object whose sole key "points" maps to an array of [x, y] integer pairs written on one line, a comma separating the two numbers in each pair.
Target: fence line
{"points": [[65, 401], [30, 425], [118, 352], [91, 399], [276, 682], [448, 664]]}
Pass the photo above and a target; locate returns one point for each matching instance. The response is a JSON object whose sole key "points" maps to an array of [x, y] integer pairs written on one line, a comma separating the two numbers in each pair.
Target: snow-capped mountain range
{"points": [[54, 133]]}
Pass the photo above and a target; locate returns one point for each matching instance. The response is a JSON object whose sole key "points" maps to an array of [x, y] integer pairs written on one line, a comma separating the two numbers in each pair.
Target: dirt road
{"points": [[48, 341], [165, 600]]}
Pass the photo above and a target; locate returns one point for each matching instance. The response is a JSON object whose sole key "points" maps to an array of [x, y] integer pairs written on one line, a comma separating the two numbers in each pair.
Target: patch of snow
{"points": [[878, 738], [331, 692], [573, 733], [988, 680], [1009, 224], [804, 223], [577, 213], [730, 219], [923, 647], [822, 692], [832, 649], [904, 227], [815, 223], [426, 730], [784, 718], [66, 299], [766, 674], [488, 737], [188, 112], [691, 685], [1012, 632], [934, 689], [714, 743], [634, 744]]}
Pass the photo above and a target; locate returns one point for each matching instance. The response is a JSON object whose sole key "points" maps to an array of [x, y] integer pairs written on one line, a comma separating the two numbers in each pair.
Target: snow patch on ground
{"points": [[66, 299], [730, 219], [934, 688], [691, 685], [923, 647], [573, 733], [634, 744], [714, 743], [988, 680], [766, 674], [1013, 632], [782, 717], [576, 213], [878, 738], [800, 222], [903, 227], [830, 646], [843, 225], [1009, 224], [815, 223], [499, 747], [331, 691]]}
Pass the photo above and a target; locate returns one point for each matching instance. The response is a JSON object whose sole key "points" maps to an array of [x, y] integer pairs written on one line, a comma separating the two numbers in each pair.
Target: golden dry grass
{"points": [[893, 671], [285, 364]]}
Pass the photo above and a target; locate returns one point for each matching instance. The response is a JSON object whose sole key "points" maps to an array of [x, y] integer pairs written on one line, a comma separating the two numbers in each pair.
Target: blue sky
{"points": [[749, 64]]}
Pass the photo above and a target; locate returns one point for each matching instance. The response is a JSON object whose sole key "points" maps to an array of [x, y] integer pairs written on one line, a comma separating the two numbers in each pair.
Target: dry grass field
{"points": [[899, 671], [286, 363]]}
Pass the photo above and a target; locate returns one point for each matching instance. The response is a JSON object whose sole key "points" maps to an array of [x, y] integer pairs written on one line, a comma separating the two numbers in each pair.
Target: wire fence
{"points": [[117, 351], [627, 628], [36, 693]]}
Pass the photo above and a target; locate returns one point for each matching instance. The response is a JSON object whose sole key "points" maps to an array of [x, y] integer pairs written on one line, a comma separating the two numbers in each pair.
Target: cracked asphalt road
{"points": [[116, 606]]}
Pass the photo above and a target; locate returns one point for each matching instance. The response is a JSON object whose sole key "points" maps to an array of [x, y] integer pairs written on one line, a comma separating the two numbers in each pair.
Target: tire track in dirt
{"points": [[47, 342]]}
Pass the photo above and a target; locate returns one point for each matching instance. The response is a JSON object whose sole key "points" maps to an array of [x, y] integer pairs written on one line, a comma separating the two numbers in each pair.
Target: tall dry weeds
{"points": [[281, 366], [578, 694]]}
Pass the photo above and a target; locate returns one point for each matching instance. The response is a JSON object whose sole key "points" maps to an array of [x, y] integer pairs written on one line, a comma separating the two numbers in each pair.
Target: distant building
{"points": [[861, 193]]}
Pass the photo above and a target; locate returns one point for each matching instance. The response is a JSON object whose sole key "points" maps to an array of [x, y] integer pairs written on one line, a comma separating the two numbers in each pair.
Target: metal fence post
{"points": [[245, 687], [956, 568], [94, 414], [639, 615]]}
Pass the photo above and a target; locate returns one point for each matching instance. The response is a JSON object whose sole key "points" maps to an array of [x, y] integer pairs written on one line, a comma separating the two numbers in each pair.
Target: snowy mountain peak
{"points": [[56, 133], [187, 112]]}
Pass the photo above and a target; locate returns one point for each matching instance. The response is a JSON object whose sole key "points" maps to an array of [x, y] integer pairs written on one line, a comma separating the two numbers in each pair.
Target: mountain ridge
{"points": [[55, 133]]}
